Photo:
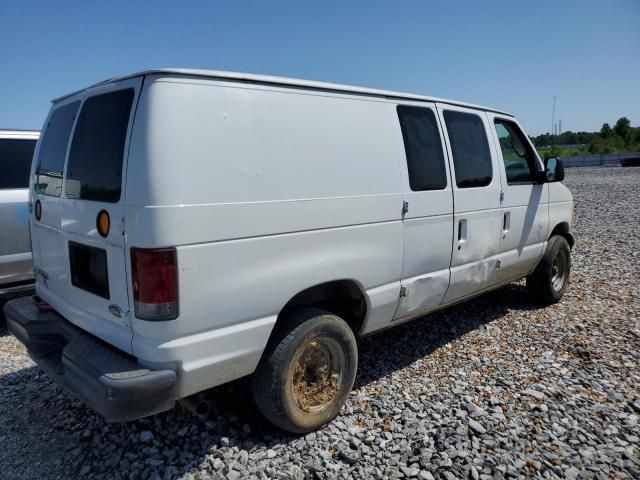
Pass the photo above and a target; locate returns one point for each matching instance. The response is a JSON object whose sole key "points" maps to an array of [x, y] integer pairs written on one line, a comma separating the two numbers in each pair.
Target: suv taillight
{"points": [[155, 283]]}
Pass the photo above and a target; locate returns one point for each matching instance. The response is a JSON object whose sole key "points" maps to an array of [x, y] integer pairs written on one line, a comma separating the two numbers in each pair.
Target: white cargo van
{"points": [[194, 227]]}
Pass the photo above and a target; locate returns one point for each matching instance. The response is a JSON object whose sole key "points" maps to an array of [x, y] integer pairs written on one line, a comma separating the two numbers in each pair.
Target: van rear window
{"points": [[97, 149], [53, 149], [15, 162]]}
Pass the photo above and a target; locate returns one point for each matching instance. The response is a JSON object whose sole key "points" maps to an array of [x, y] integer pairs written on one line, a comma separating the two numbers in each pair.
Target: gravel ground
{"points": [[494, 388]]}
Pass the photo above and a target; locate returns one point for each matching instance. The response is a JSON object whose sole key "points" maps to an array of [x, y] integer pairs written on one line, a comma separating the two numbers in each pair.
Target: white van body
{"points": [[271, 191]]}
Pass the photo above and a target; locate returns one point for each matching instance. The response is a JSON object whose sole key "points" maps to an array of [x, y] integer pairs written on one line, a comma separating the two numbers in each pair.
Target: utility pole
{"points": [[553, 123]]}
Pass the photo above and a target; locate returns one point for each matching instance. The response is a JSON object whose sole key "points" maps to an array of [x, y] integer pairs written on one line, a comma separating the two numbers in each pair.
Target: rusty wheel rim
{"points": [[317, 374]]}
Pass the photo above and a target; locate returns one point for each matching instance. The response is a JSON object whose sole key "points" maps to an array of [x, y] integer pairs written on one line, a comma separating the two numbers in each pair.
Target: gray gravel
{"points": [[492, 389]]}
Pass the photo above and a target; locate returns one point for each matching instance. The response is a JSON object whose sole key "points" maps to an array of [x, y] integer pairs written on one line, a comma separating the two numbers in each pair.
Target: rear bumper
{"points": [[106, 379]]}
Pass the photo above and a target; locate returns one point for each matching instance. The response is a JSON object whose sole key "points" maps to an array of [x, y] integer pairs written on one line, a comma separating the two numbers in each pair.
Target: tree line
{"points": [[620, 138]]}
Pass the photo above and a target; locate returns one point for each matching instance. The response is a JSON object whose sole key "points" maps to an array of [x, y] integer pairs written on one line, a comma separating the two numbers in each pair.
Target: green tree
{"points": [[605, 131], [570, 137], [616, 144], [599, 146], [623, 128]]}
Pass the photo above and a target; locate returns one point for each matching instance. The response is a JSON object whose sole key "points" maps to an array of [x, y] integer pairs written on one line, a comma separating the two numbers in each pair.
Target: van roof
{"points": [[286, 82]]}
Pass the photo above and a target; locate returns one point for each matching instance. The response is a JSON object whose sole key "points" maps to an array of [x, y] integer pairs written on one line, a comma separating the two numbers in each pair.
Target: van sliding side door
{"points": [[476, 194]]}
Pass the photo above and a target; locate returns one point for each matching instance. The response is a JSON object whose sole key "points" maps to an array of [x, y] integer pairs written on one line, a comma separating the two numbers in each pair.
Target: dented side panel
{"points": [[423, 293], [427, 236], [427, 253]]}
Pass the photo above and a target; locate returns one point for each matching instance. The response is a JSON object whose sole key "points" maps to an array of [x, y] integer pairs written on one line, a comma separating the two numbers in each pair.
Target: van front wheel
{"points": [[549, 280], [307, 371]]}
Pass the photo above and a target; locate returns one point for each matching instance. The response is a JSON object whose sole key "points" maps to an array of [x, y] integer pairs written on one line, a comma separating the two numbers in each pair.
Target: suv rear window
{"points": [[97, 149], [53, 149], [15, 162]]}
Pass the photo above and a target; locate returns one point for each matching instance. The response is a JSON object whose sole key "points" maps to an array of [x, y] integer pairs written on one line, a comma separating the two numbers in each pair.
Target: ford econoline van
{"points": [[194, 227]]}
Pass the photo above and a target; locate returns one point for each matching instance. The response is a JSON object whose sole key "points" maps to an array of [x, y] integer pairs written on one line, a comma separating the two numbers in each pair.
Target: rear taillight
{"points": [[155, 283]]}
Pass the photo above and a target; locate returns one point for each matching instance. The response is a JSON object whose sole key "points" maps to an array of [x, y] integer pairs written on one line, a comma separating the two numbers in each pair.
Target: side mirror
{"points": [[554, 169]]}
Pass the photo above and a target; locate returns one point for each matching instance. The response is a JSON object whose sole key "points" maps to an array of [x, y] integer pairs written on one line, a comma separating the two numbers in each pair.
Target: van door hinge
{"points": [[403, 291], [501, 197], [405, 209]]}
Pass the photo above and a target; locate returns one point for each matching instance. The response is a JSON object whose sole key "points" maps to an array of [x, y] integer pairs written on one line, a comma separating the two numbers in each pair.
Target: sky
{"points": [[511, 55]]}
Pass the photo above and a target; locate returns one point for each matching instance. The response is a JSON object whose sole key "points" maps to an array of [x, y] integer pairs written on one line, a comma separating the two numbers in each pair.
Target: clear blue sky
{"points": [[514, 55]]}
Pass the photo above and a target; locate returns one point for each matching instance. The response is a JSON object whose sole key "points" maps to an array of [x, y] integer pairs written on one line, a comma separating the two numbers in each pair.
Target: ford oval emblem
{"points": [[115, 310]]}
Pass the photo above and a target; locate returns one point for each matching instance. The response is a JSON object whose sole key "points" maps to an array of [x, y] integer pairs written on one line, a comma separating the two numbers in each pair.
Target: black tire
{"points": [[307, 371], [550, 279]]}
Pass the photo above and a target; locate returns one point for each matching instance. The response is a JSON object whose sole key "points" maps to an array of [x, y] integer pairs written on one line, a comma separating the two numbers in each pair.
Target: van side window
{"points": [[97, 148], [53, 150], [15, 162], [517, 154], [470, 149], [423, 148]]}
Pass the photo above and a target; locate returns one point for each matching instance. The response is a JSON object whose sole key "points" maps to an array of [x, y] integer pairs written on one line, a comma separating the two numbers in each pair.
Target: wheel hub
{"points": [[316, 374]]}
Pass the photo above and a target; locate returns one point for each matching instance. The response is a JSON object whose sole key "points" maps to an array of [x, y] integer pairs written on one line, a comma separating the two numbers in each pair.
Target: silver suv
{"points": [[16, 152]]}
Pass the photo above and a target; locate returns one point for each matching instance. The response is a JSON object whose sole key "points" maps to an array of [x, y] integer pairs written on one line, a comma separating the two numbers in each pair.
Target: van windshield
{"points": [[97, 149]]}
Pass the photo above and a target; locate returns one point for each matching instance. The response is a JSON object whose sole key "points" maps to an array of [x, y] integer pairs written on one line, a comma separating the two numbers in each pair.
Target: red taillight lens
{"points": [[155, 283]]}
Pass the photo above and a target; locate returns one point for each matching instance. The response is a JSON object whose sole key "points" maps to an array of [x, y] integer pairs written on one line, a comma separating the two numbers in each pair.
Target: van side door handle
{"points": [[462, 233], [506, 224]]}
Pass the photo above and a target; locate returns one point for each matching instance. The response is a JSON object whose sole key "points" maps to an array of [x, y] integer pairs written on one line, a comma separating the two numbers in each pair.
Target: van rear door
{"points": [[79, 242]]}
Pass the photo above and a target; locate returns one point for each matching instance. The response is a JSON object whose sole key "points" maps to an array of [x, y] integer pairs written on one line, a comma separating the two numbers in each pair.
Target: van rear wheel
{"points": [[307, 371], [550, 279]]}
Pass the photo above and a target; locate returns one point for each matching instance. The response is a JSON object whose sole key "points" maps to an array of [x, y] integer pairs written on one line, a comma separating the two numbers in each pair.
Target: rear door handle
{"points": [[462, 233]]}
